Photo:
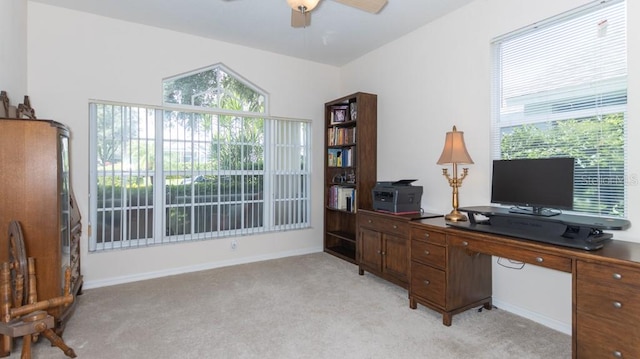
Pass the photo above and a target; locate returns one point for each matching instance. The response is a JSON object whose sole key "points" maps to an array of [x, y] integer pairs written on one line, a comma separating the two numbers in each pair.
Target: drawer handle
{"points": [[539, 259], [395, 226], [426, 282], [426, 235], [427, 252], [617, 305], [617, 276], [617, 354], [368, 221], [465, 243]]}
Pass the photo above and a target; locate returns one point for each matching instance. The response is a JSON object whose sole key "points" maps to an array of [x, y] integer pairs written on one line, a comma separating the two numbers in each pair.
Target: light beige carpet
{"points": [[311, 306]]}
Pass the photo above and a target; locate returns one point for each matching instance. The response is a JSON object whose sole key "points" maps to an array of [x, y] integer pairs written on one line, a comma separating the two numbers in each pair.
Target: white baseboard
{"points": [[536, 317], [196, 268]]}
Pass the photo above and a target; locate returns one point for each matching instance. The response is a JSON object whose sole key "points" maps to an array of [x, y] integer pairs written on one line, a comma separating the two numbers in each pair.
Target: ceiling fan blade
{"points": [[299, 19], [372, 6]]}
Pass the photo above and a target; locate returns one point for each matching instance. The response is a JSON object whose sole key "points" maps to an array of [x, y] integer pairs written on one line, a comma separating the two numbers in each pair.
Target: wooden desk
{"points": [[605, 283]]}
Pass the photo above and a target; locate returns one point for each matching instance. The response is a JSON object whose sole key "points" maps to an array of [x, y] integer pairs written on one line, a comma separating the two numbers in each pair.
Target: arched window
{"points": [[214, 87]]}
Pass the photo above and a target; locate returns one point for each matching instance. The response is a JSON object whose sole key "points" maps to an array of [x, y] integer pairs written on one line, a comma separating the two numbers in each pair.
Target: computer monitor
{"points": [[540, 186]]}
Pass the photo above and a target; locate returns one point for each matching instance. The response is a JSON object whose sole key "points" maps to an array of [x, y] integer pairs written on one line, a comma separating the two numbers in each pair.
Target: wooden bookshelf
{"points": [[349, 168]]}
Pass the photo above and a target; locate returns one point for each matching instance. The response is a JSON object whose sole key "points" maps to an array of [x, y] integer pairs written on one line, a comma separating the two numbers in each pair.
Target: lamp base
{"points": [[455, 216]]}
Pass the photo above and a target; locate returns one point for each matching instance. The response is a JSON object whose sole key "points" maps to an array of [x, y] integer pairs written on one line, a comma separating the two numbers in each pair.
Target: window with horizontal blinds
{"points": [[560, 90]]}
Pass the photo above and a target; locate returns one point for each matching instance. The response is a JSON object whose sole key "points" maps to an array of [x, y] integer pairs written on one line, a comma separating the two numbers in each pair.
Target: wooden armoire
{"points": [[35, 190]]}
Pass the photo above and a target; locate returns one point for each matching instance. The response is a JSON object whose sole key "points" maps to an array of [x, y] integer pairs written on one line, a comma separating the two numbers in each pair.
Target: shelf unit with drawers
{"points": [[607, 304], [383, 244], [445, 276], [383, 247]]}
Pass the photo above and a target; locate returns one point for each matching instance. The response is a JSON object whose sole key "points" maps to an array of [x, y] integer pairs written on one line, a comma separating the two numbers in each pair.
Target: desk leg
{"points": [[446, 319], [412, 303]]}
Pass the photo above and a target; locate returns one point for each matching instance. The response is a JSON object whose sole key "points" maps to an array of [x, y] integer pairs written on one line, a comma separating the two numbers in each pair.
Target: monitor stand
{"points": [[534, 211], [584, 232]]}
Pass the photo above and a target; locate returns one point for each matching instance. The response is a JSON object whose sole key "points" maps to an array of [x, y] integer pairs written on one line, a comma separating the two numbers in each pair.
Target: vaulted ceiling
{"points": [[337, 34]]}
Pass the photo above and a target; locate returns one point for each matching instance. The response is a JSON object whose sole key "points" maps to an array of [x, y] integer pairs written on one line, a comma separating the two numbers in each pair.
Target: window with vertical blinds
{"points": [[560, 90], [168, 174]]}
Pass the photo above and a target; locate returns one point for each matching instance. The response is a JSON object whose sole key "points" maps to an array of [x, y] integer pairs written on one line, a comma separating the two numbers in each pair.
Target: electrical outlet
{"points": [[234, 244]]}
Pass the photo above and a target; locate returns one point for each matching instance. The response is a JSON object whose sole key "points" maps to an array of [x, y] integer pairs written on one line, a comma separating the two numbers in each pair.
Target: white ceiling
{"points": [[337, 35]]}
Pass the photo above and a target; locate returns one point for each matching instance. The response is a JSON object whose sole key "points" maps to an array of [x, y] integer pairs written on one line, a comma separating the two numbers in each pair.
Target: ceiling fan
{"points": [[301, 9]]}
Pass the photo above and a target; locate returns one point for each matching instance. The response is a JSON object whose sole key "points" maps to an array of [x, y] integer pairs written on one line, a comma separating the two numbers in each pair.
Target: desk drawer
{"points": [[615, 303], [608, 292], [398, 227], [428, 283], [423, 234], [606, 275], [428, 253], [512, 252], [602, 338]]}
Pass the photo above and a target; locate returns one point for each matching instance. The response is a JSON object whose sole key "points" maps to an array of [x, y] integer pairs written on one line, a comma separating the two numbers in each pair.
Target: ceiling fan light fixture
{"points": [[303, 5]]}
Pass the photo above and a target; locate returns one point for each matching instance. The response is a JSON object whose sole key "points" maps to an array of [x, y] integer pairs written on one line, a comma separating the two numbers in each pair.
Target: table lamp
{"points": [[455, 152]]}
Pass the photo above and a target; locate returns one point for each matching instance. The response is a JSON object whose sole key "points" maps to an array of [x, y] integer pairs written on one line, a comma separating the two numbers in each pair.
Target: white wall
{"points": [[74, 57], [13, 49], [439, 76]]}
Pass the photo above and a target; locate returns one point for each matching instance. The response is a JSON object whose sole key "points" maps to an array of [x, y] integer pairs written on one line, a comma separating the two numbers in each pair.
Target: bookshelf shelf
{"points": [[349, 168]]}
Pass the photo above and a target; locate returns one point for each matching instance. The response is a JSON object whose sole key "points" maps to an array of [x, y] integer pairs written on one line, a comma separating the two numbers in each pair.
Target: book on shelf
{"points": [[348, 156], [342, 198], [341, 157], [341, 136], [334, 157]]}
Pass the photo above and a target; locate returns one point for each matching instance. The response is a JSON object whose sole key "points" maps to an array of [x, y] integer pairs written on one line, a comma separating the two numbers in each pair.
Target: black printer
{"points": [[397, 197]]}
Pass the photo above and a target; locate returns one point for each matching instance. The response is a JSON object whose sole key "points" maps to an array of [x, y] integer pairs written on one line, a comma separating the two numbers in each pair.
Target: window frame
{"points": [[286, 197]]}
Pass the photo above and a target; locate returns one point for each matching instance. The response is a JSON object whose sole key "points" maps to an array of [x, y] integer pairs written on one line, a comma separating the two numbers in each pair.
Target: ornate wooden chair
{"points": [[23, 315]]}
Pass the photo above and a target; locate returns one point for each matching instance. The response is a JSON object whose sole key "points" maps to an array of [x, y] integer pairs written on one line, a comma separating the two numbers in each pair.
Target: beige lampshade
{"points": [[454, 150], [307, 5]]}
